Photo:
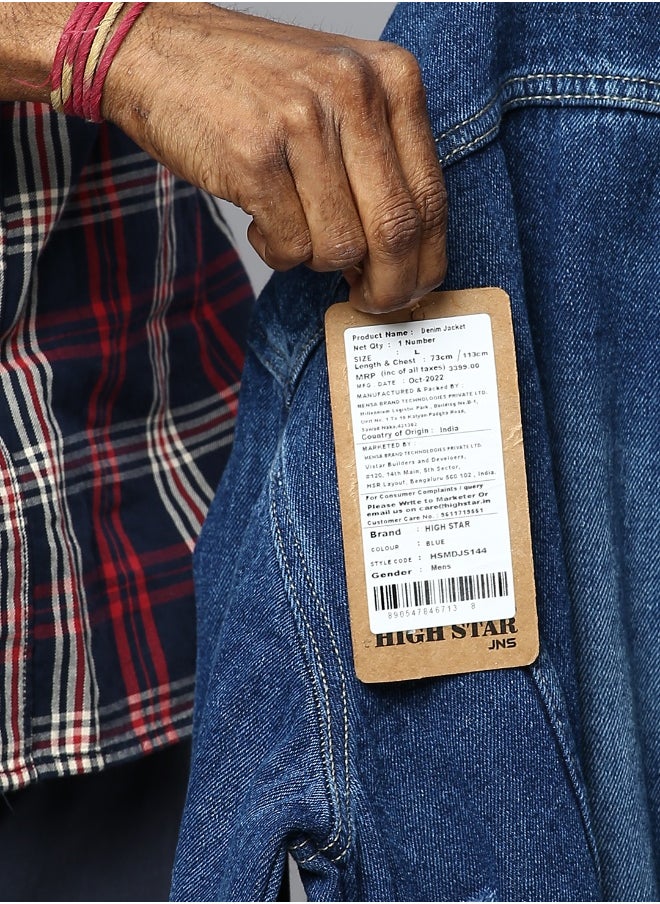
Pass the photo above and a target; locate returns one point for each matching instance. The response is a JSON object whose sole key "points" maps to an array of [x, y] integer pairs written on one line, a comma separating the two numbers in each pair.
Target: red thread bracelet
{"points": [[94, 56], [78, 52], [95, 90], [85, 52], [60, 74]]}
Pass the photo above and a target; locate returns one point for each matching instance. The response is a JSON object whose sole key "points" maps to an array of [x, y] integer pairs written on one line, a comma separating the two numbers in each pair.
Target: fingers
{"points": [[311, 216], [399, 191], [389, 216], [279, 232], [324, 140], [417, 156], [319, 172], [367, 182]]}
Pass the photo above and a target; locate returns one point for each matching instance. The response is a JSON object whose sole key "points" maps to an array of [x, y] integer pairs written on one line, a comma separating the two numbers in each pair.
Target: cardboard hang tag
{"points": [[432, 487]]}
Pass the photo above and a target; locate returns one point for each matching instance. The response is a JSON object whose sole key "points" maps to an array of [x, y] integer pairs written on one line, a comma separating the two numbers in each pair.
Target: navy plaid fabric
{"points": [[123, 308]]}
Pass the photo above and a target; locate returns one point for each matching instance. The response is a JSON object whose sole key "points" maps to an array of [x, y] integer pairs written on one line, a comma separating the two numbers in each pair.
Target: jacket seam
{"points": [[284, 366], [325, 729], [563, 736], [299, 364], [520, 79], [541, 98], [342, 673]]}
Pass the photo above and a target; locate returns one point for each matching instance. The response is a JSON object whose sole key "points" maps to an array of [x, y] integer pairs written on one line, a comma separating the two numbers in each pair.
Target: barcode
{"points": [[441, 590]]}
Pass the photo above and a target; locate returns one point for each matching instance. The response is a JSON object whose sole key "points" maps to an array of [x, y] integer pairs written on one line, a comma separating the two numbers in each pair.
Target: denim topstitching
{"points": [[289, 373], [516, 100], [542, 673], [286, 376], [335, 648], [325, 730], [538, 76]]}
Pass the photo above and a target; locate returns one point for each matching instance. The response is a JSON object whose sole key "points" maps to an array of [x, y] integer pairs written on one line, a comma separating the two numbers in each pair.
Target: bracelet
{"points": [[86, 49]]}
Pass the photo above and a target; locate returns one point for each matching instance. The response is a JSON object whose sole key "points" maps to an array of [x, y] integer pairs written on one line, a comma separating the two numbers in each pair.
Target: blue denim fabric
{"points": [[539, 783]]}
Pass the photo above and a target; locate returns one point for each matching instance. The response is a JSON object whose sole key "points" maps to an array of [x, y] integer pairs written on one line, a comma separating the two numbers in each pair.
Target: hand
{"points": [[324, 140]]}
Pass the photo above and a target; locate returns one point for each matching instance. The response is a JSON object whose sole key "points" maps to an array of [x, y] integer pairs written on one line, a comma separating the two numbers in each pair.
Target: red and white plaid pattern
{"points": [[122, 313]]}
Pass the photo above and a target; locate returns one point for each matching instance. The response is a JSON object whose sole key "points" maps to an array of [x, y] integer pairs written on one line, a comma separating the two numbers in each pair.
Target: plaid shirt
{"points": [[122, 312]]}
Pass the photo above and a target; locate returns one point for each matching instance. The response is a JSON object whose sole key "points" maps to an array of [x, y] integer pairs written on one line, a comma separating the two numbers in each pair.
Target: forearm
{"points": [[323, 139], [29, 33]]}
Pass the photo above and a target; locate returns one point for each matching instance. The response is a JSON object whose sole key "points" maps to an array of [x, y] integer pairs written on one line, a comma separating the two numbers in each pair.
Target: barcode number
{"points": [[459, 589]]}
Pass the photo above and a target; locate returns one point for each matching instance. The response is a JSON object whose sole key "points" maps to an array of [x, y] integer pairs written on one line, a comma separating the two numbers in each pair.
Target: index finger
{"points": [[389, 155], [390, 219], [417, 156]]}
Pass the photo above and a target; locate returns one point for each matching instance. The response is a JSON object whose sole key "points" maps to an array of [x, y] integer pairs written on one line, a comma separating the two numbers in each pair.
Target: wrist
{"points": [[86, 50], [130, 72], [29, 34], [146, 57]]}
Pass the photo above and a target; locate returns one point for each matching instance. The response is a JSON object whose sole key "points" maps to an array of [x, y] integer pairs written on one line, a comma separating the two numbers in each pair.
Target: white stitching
{"points": [[528, 97], [324, 680], [625, 100], [586, 75], [335, 859], [342, 672], [329, 740], [301, 356], [545, 75], [469, 144]]}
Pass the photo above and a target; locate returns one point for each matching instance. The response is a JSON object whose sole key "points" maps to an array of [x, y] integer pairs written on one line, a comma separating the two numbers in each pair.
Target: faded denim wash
{"points": [[540, 783]]}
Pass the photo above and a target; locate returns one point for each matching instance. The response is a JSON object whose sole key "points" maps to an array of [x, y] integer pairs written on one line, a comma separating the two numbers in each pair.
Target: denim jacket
{"points": [[536, 783]]}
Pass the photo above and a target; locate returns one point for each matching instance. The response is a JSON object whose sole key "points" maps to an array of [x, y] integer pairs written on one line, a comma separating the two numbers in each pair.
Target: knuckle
{"points": [[408, 70], [352, 72], [260, 158], [284, 257], [287, 241], [433, 206], [349, 62], [402, 68], [296, 248], [398, 230], [341, 254], [302, 114], [301, 246]]}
